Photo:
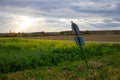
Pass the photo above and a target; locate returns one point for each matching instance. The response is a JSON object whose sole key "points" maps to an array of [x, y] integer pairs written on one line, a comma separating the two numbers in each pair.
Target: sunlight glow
{"points": [[24, 23]]}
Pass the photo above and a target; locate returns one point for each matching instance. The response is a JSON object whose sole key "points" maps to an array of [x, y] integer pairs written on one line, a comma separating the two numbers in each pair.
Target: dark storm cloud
{"points": [[57, 8], [53, 10]]}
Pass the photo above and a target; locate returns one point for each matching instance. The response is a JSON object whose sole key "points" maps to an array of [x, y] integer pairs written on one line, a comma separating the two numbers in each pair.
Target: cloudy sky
{"points": [[55, 15]]}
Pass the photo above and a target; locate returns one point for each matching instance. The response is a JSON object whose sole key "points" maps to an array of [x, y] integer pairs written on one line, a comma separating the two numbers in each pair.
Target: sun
{"points": [[23, 23]]}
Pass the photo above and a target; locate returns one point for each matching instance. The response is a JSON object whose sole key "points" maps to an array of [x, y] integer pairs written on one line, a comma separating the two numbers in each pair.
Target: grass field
{"points": [[33, 59]]}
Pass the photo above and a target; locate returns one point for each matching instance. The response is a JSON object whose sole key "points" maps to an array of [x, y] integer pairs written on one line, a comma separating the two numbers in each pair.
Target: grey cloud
{"points": [[5, 19], [53, 10], [51, 21], [105, 26], [112, 20]]}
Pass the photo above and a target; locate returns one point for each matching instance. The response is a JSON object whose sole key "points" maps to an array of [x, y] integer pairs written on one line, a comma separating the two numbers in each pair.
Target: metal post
{"points": [[84, 56]]}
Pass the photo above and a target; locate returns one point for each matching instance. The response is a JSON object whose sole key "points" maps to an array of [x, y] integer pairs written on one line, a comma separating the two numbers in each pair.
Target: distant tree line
{"points": [[42, 33], [87, 32]]}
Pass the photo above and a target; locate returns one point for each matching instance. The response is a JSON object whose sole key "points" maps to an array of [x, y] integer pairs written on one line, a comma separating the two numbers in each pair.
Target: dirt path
{"points": [[97, 38]]}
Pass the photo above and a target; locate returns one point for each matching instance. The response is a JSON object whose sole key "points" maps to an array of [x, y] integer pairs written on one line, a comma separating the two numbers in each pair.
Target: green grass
{"points": [[28, 59]]}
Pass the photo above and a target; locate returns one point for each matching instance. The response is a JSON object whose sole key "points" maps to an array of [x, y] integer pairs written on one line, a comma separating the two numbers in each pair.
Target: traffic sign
{"points": [[75, 29], [79, 41]]}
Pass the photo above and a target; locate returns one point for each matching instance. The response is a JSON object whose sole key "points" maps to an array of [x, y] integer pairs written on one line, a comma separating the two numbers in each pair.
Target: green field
{"points": [[30, 59]]}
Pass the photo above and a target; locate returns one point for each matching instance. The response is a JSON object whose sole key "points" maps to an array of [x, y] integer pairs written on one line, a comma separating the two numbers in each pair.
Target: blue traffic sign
{"points": [[75, 28], [79, 41]]}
